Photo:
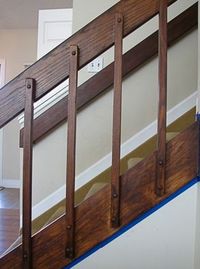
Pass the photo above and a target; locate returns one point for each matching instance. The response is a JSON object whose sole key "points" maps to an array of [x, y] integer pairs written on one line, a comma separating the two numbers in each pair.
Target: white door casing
{"points": [[2, 82]]}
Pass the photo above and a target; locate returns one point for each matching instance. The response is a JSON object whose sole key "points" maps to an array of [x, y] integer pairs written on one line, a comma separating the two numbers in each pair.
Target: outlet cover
{"points": [[95, 66]]}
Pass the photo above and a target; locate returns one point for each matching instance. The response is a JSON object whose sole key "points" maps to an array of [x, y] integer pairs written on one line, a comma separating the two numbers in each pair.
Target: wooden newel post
{"points": [[71, 153], [162, 110], [27, 174], [116, 144]]}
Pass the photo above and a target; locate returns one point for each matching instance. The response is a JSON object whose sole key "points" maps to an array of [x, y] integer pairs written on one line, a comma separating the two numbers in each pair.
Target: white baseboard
{"points": [[11, 183], [103, 164]]}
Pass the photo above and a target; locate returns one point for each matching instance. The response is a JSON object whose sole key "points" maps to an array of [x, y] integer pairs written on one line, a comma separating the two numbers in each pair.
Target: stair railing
{"points": [[65, 61], [102, 81]]}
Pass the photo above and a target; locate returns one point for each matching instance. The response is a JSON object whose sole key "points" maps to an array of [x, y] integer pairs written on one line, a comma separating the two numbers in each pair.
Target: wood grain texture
{"points": [[162, 104], [102, 81], [92, 40], [116, 131], [27, 174], [137, 196], [9, 227], [71, 153]]}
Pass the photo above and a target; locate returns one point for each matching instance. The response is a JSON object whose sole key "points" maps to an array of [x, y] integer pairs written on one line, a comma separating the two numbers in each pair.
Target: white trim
{"points": [[12, 183], [48, 101], [103, 164]]}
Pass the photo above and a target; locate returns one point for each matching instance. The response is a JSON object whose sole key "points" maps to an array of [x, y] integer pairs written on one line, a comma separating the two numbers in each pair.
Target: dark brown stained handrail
{"points": [[162, 110], [117, 103], [71, 153], [27, 175], [137, 56], [53, 68]]}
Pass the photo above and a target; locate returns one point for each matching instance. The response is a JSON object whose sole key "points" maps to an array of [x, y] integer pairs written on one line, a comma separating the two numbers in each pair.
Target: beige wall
{"points": [[163, 240], [139, 104], [17, 47]]}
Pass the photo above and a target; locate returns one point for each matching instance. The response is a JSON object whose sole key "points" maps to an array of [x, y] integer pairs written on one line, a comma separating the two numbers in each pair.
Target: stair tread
{"points": [[133, 161], [95, 187], [171, 135]]}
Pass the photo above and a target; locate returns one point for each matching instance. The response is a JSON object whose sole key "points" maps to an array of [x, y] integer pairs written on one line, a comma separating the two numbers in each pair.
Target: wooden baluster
{"points": [[27, 174], [162, 112], [71, 153], [115, 180]]}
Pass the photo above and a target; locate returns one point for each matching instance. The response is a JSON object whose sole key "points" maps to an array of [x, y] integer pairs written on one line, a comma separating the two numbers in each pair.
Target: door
{"points": [[54, 26]]}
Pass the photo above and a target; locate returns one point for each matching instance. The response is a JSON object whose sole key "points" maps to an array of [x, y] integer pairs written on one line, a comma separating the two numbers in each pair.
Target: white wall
{"points": [[139, 105], [162, 241]]}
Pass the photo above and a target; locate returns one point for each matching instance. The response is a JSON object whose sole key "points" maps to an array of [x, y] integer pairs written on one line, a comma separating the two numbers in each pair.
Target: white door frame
{"points": [[2, 82]]}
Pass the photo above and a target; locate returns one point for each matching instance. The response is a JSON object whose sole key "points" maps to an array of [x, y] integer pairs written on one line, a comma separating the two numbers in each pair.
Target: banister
{"points": [[86, 226], [53, 68], [57, 114]]}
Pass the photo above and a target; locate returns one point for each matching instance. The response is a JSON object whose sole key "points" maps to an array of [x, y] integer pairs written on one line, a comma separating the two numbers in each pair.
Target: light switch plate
{"points": [[95, 66]]}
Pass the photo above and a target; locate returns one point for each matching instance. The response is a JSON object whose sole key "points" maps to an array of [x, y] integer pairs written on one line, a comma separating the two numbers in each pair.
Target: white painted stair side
{"points": [[166, 239]]}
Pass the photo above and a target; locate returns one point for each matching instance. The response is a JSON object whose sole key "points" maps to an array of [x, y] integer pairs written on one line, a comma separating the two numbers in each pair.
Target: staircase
{"points": [[138, 182]]}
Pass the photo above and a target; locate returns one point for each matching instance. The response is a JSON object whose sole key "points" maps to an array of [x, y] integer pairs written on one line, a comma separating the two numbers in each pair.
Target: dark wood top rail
{"points": [[137, 56], [92, 40]]}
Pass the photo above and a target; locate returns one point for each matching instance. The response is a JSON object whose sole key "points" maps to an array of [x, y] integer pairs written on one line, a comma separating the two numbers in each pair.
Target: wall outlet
{"points": [[95, 66]]}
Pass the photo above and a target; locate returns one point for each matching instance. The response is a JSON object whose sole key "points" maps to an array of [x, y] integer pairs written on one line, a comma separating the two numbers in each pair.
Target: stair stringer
{"points": [[93, 215]]}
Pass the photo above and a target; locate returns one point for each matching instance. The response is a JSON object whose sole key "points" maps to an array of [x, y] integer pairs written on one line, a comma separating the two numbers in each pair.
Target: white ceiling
{"points": [[24, 13]]}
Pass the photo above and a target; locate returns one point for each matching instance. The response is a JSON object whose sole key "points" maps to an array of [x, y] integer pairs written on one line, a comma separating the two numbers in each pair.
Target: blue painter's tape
{"points": [[133, 223], [198, 116]]}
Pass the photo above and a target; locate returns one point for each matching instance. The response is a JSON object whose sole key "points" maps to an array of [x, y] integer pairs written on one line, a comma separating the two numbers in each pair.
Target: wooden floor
{"points": [[9, 217]]}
